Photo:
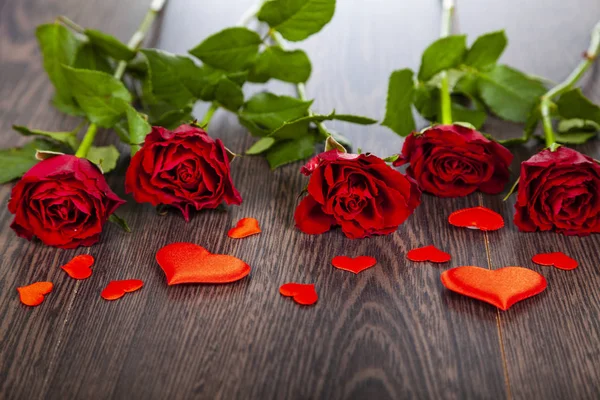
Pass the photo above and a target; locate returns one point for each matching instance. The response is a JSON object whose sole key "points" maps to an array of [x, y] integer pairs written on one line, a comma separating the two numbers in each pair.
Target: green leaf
{"points": [[265, 112], [173, 78], [486, 50], [109, 45], [509, 93], [16, 161], [568, 125], [163, 114], [229, 94], [68, 138], [355, 119], [474, 117], [262, 145], [574, 137], [398, 111], [232, 49], [427, 101], [444, 53], [137, 125], [332, 144], [573, 104], [105, 157], [59, 47], [89, 58], [103, 98], [467, 84], [115, 219], [289, 151], [288, 66], [297, 19]]}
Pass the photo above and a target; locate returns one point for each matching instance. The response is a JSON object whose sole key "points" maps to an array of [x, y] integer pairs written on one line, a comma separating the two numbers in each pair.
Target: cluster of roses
{"points": [[558, 188], [65, 200]]}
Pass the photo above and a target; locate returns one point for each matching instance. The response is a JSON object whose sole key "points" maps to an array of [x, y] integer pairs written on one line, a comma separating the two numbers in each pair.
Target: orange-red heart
{"points": [[558, 259], [79, 266], [501, 287], [477, 218], [244, 228], [304, 294], [117, 289], [190, 263], [356, 264], [33, 295], [428, 253]]}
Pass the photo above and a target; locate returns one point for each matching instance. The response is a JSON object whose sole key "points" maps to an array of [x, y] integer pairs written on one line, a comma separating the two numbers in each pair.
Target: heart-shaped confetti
{"points": [[33, 295], [79, 266], [244, 228], [304, 294], [558, 259], [477, 218], [428, 253], [190, 263], [356, 264], [501, 287], [117, 289]]}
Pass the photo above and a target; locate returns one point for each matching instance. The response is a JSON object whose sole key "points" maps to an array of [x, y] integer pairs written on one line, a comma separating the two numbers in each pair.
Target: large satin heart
{"points": [[190, 263], [501, 287]]}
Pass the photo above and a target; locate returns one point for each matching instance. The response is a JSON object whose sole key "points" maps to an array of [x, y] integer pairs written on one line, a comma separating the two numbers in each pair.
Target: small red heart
{"points": [[558, 259], [477, 218], [501, 287], [244, 228], [190, 263], [33, 295], [428, 253], [117, 289], [356, 264], [304, 294], [79, 266]]}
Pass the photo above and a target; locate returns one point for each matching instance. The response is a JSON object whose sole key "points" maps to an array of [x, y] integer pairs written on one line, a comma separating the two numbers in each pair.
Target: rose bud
{"points": [[64, 201], [558, 190], [454, 161], [184, 168], [358, 192]]}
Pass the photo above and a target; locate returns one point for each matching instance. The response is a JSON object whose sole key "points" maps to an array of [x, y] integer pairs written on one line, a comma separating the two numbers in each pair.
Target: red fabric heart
{"points": [[477, 218], [244, 228], [190, 263], [502, 287], [356, 264], [33, 295], [79, 266], [428, 253], [117, 289], [558, 259], [304, 294]]}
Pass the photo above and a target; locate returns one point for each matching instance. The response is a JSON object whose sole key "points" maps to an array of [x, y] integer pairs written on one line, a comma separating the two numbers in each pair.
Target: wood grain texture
{"points": [[389, 332]]}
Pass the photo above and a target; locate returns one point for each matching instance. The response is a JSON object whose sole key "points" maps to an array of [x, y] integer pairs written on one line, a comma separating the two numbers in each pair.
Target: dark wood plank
{"points": [[551, 342], [390, 332]]}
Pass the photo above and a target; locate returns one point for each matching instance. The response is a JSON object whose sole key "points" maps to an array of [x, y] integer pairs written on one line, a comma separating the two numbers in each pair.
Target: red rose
{"points": [[454, 161], [359, 192], [559, 190], [64, 201], [184, 168]]}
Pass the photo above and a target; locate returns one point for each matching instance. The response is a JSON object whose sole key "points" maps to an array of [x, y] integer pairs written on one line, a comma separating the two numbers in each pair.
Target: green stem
{"points": [[138, 37], [134, 43], [445, 100], [546, 102], [209, 114], [70, 24], [87, 141], [300, 87]]}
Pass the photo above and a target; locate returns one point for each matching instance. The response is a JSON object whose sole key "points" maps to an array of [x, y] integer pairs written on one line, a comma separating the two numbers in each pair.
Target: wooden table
{"points": [[391, 332]]}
